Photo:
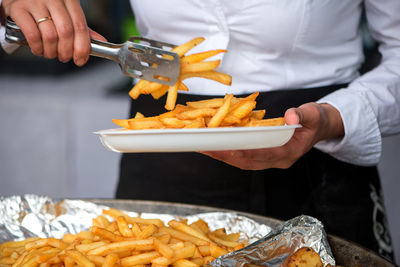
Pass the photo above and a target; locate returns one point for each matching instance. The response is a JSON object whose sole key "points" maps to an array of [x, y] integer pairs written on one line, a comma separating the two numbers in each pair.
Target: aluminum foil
{"points": [[32, 215], [275, 247]]}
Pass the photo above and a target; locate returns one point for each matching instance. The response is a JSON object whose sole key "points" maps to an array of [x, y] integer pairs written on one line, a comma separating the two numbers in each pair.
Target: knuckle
{"points": [[80, 27], [82, 51], [13, 6], [50, 55], [64, 56], [64, 59], [37, 51], [50, 36], [33, 37], [66, 30]]}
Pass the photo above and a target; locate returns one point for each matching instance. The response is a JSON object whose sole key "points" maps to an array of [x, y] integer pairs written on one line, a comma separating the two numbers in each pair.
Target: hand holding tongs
{"points": [[147, 60]]}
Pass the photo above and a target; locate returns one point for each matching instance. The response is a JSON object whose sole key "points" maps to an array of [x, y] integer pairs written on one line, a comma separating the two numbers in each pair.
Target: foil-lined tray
{"points": [[31, 215]]}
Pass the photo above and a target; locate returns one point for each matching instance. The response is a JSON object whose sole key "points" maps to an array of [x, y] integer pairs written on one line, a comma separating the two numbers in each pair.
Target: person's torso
{"points": [[272, 44]]}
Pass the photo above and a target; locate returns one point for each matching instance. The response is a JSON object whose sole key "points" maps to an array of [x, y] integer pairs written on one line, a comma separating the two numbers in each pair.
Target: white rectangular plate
{"points": [[199, 139]]}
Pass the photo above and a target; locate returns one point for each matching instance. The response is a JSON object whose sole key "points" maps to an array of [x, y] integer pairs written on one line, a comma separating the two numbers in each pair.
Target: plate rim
{"points": [[121, 131]]}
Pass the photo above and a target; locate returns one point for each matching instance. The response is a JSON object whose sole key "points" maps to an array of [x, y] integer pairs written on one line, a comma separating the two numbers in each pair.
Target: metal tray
{"points": [[345, 252]]}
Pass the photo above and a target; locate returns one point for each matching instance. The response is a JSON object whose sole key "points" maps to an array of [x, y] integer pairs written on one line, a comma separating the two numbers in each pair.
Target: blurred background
{"points": [[49, 111]]}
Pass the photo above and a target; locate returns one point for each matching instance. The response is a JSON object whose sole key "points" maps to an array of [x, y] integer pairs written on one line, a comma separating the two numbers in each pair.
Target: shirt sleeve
{"points": [[9, 48], [370, 105]]}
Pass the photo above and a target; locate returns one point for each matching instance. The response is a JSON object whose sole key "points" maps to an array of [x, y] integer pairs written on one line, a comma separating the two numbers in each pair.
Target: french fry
{"points": [[84, 248], [243, 108], [97, 260], [196, 113], [147, 231], [112, 227], [217, 251], [69, 262], [147, 241], [152, 87], [69, 238], [209, 103], [103, 233], [185, 252], [221, 112], [201, 56], [138, 115], [257, 114], [184, 263], [211, 75], [200, 66], [136, 90], [182, 87], [141, 245], [174, 122], [145, 123], [204, 250], [185, 237], [197, 123], [111, 260], [121, 123], [144, 258], [163, 249], [171, 97], [45, 242], [223, 235], [202, 225], [156, 222], [7, 260], [304, 257], [124, 227], [79, 258], [160, 92], [268, 122], [220, 241], [208, 259], [188, 230], [184, 48]]}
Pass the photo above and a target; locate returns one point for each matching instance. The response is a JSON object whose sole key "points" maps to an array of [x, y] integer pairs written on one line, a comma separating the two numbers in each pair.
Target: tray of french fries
{"points": [[219, 123], [38, 231]]}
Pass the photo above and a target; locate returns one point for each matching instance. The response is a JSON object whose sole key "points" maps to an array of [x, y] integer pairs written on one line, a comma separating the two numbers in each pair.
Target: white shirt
{"points": [[284, 44]]}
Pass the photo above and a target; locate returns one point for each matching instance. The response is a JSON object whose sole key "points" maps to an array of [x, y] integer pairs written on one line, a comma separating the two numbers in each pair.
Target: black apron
{"points": [[337, 193]]}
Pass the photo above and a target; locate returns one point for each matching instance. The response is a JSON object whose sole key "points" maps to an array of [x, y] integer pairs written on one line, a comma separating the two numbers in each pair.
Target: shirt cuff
{"points": [[362, 142]]}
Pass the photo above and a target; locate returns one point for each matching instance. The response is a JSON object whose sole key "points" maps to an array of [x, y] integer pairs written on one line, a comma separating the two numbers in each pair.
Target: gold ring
{"points": [[43, 19]]}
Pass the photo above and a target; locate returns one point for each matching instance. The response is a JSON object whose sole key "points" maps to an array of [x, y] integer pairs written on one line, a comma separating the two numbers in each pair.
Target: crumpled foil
{"points": [[31, 215], [275, 247]]}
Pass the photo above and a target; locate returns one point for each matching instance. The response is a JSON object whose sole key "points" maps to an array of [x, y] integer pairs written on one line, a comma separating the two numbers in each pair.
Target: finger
{"points": [[235, 158], [65, 30], [96, 36], [292, 116], [30, 30], [47, 30], [81, 33]]}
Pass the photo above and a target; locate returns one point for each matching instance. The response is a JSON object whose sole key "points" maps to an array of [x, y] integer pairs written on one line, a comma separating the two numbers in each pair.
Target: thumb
{"points": [[96, 36], [293, 116]]}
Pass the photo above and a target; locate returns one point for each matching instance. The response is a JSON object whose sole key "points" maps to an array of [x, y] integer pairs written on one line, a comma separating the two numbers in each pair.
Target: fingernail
{"points": [[37, 54], [79, 62]]}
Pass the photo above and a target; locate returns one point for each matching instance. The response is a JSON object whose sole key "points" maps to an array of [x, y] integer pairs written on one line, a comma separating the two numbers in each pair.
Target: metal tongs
{"points": [[148, 60]]}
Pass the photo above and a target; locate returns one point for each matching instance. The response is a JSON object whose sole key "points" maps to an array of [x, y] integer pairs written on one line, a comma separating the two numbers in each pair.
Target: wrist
{"points": [[332, 124]]}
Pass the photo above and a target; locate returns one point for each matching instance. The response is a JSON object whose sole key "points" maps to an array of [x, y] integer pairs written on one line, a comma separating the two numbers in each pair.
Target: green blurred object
{"points": [[129, 28]]}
